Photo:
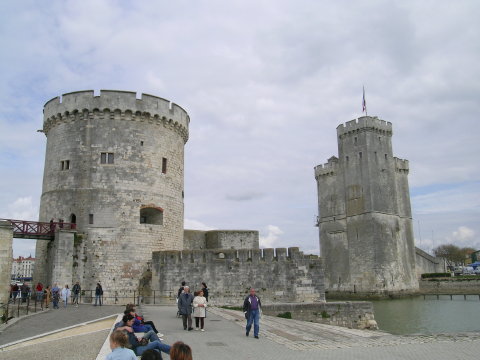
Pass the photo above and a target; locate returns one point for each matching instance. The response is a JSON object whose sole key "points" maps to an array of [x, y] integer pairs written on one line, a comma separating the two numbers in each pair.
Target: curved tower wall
{"points": [[116, 164], [366, 233]]}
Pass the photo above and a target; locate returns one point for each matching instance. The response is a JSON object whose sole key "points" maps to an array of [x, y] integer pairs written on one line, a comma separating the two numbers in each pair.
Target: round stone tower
{"points": [[114, 166]]}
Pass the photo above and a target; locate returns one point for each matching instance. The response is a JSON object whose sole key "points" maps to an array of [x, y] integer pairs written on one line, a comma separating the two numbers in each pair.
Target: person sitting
{"points": [[180, 351], [118, 343], [137, 324], [139, 346], [142, 319]]}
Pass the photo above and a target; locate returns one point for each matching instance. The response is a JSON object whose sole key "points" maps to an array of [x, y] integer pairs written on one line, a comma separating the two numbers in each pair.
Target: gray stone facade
{"points": [[114, 164], [426, 263], [365, 220], [6, 257], [277, 275], [220, 239]]}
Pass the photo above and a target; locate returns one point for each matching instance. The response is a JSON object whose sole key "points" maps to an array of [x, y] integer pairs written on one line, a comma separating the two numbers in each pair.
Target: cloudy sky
{"points": [[266, 83]]}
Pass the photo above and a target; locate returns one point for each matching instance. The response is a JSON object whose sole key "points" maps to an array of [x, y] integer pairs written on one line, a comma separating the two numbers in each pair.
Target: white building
{"points": [[23, 267]]}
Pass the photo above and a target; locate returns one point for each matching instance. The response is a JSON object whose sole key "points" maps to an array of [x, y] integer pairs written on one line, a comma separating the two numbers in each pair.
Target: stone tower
{"points": [[365, 220], [114, 165]]}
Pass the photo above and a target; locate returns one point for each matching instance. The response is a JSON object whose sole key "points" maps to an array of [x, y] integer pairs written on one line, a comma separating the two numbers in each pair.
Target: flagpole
{"points": [[364, 103]]}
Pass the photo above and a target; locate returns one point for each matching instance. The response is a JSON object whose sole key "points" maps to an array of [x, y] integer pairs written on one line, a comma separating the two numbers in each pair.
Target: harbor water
{"points": [[417, 315]]}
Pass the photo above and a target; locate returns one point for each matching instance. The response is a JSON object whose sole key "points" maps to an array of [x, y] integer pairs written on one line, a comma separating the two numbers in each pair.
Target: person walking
{"points": [[76, 293], [205, 290], [15, 291], [199, 310], [98, 294], [185, 308], [252, 309], [65, 295], [47, 296], [39, 290], [55, 296]]}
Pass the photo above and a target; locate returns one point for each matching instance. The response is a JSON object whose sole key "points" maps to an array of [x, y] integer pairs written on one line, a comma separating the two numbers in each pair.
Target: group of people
{"points": [[196, 304], [126, 345], [46, 294]]}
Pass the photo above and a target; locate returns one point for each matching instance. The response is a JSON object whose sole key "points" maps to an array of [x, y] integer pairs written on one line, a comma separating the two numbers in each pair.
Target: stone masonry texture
{"points": [[365, 221], [277, 275], [114, 164], [6, 256]]}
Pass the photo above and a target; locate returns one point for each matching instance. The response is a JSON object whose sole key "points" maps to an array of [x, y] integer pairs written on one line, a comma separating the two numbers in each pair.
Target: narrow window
{"points": [[106, 158], [355, 140], [385, 156], [67, 164], [90, 219], [141, 143], [164, 165], [360, 154], [346, 158], [62, 165]]}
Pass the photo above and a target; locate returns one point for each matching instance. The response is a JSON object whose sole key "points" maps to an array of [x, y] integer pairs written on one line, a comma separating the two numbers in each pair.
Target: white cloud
{"points": [[462, 234], [191, 224], [272, 237], [23, 209]]}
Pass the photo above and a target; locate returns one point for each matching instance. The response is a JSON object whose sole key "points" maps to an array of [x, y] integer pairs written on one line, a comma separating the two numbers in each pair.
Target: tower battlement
{"points": [[115, 103], [401, 165], [365, 123], [329, 168], [240, 255]]}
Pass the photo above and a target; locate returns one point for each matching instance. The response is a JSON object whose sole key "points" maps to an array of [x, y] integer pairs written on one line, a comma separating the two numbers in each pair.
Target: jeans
{"points": [[156, 345], [99, 299], [151, 336], [39, 296], [254, 317], [75, 299]]}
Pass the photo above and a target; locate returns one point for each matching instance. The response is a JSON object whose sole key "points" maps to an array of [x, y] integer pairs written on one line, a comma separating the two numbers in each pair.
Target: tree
{"points": [[452, 253]]}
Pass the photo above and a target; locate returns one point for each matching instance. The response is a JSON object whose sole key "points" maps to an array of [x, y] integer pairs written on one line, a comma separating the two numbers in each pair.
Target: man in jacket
{"points": [[76, 293], [252, 308], [185, 307]]}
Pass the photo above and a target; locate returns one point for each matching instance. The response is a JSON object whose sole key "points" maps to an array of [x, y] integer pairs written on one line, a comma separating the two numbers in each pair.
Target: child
{"points": [[118, 341], [180, 351]]}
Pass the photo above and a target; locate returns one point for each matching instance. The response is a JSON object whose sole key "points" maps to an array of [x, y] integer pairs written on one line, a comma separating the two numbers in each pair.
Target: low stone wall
{"points": [[350, 314], [278, 275], [450, 286]]}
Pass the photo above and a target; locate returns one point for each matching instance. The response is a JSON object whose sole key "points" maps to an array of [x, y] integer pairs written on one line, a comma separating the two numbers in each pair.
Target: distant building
{"points": [[23, 267]]}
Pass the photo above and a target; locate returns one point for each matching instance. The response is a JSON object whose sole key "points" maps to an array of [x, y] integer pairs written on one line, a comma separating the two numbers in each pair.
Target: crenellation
{"points": [[364, 123]]}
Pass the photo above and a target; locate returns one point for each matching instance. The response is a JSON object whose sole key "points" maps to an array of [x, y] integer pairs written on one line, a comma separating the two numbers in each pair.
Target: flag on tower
{"points": [[364, 103]]}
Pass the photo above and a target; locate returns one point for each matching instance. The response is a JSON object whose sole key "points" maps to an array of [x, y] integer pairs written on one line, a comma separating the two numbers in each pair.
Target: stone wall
{"points": [[450, 286], [277, 276], [6, 256], [426, 263], [220, 239], [61, 258], [351, 314]]}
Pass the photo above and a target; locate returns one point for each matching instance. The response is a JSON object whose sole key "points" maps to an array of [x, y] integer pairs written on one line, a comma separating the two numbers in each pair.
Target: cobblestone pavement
{"points": [[50, 320]]}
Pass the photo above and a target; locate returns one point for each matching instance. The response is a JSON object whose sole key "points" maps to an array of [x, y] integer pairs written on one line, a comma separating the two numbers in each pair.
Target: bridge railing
{"points": [[37, 228]]}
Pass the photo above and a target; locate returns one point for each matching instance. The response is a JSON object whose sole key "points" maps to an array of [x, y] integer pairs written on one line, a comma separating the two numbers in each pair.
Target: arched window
{"points": [[73, 219], [151, 215]]}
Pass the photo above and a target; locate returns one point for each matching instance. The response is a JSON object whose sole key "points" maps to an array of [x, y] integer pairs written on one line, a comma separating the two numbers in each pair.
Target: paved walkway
{"points": [[51, 320], [225, 338]]}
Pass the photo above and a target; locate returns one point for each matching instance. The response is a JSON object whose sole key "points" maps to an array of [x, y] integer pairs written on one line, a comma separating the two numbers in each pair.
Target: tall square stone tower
{"points": [[365, 220]]}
